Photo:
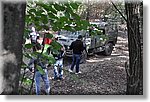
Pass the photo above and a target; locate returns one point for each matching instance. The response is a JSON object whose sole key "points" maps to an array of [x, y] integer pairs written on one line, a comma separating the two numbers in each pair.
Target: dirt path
{"points": [[103, 75]]}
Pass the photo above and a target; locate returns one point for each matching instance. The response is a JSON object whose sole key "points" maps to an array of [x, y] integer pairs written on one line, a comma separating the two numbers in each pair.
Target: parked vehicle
{"points": [[102, 37]]}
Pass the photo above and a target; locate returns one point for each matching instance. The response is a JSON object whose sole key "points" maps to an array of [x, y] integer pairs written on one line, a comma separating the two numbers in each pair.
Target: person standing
{"points": [[77, 47], [33, 64], [34, 37], [58, 66]]}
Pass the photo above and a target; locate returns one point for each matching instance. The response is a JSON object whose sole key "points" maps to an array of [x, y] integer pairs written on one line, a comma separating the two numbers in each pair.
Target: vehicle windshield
{"points": [[71, 34]]}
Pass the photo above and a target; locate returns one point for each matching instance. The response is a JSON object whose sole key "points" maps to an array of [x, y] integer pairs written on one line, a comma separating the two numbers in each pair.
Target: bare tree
{"points": [[135, 70]]}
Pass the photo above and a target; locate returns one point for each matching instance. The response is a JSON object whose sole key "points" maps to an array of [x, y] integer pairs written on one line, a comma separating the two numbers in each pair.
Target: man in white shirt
{"points": [[34, 36]]}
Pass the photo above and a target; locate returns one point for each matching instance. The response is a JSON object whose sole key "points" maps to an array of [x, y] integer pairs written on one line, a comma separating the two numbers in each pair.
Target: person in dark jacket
{"points": [[77, 47]]}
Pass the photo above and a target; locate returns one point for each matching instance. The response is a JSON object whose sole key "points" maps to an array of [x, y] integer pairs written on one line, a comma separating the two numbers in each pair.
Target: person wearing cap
{"points": [[77, 46]]}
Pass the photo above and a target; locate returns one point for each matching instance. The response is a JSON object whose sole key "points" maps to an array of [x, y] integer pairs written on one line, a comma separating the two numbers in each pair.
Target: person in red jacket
{"points": [[47, 41]]}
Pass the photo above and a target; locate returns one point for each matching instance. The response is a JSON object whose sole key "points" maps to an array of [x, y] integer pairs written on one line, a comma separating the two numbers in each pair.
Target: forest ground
{"points": [[101, 75]]}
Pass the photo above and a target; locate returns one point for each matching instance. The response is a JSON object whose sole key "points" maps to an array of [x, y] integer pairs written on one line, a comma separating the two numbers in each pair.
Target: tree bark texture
{"points": [[13, 29], [135, 70]]}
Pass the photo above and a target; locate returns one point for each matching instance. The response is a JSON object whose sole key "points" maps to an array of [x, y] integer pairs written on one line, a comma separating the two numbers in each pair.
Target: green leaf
{"points": [[51, 59], [27, 19], [52, 9], [32, 10], [67, 27], [27, 81], [67, 14], [84, 24], [75, 16], [37, 19], [78, 23], [28, 46], [63, 19], [44, 17], [27, 55], [26, 33], [68, 8], [56, 45], [58, 7], [58, 25], [74, 5], [39, 13], [24, 65], [40, 69], [46, 7], [44, 57], [52, 15], [78, 28], [39, 27], [49, 36], [55, 28], [35, 54]]}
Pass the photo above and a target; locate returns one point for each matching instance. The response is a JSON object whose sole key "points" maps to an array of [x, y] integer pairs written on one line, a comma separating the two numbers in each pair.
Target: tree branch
{"points": [[118, 11]]}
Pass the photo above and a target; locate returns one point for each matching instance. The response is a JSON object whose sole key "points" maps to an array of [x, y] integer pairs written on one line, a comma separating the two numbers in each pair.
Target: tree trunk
{"points": [[135, 70], [12, 38]]}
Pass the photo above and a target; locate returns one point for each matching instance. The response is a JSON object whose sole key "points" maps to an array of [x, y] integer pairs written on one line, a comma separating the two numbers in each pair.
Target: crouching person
{"points": [[38, 75]]}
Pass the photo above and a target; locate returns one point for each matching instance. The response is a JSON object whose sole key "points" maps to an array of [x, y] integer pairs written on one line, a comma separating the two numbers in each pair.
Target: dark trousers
{"points": [[76, 61]]}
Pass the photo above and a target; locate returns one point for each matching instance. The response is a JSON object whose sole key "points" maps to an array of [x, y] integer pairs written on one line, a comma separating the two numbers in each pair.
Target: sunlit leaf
{"points": [[28, 46], [56, 45], [27, 81], [40, 69], [51, 59]]}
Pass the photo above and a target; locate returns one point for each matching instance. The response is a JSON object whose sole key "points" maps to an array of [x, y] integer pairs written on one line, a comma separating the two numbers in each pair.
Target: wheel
{"points": [[83, 57], [108, 49]]}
